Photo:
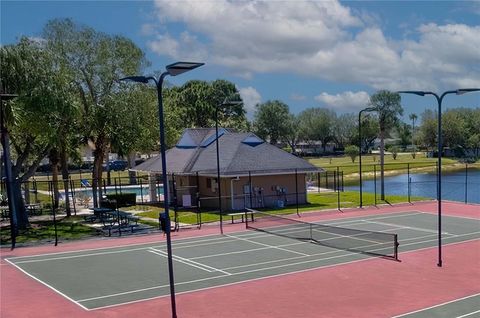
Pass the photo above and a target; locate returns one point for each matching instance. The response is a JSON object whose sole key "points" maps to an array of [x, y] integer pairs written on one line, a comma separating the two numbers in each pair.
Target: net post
{"points": [[396, 244]]}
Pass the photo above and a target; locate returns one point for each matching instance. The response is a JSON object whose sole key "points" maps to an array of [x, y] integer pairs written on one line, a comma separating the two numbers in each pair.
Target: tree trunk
{"points": [[54, 160], [22, 215], [97, 179], [131, 164], [382, 168], [66, 186]]}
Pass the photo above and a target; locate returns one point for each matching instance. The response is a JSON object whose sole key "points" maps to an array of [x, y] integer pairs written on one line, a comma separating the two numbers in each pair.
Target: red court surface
{"points": [[367, 288]]}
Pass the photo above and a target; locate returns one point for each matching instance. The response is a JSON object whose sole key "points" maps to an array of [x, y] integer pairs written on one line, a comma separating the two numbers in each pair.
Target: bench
{"points": [[242, 214]]}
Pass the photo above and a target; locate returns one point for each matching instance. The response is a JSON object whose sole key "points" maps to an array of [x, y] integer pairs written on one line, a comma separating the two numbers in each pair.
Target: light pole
{"points": [[8, 167], [225, 103], [439, 150], [368, 109], [172, 70]]}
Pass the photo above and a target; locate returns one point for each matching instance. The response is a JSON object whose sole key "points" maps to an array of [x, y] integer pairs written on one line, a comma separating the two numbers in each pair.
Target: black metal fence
{"points": [[193, 204]]}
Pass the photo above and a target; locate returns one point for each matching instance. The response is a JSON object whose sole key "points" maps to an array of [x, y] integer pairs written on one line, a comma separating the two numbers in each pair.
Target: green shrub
{"points": [[394, 150], [352, 152]]}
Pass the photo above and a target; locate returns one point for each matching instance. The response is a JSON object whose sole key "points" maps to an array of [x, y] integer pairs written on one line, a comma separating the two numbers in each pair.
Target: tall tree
{"points": [[404, 134], [96, 62], [196, 101], [316, 125], [345, 130], [37, 115], [388, 106], [428, 129], [271, 121]]}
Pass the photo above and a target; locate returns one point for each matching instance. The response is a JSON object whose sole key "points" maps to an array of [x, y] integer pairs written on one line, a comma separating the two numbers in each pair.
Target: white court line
{"points": [[45, 284], [81, 255], [384, 216], [438, 305], [405, 227], [267, 245], [469, 314], [189, 262], [180, 261], [229, 284]]}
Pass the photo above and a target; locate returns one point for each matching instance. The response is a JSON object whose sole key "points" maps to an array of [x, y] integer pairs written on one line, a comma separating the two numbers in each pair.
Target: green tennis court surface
{"points": [[100, 278], [467, 307]]}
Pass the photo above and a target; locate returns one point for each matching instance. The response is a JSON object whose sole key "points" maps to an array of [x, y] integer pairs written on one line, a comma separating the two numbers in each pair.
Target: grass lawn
{"points": [[67, 229], [317, 201], [368, 161]]}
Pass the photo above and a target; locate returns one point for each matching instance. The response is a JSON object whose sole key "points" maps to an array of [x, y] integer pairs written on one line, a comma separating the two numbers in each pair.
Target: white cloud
{"points": [[325, 39], [346, 101], [185, 47], [250, 97]]}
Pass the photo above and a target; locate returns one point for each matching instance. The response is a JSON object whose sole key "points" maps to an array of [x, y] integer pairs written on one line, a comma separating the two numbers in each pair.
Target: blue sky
{"points": [[307, 54]]}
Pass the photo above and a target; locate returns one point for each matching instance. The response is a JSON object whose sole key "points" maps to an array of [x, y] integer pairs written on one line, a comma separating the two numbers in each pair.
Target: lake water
{"points": [[454, 185]]}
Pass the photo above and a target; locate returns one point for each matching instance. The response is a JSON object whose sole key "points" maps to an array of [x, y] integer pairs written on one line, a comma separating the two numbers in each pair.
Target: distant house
{"points": [[275, 174], [314, 148]]}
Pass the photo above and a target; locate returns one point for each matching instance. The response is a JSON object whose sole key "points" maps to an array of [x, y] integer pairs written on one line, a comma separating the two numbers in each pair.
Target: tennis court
{"points": [[106, 277]]}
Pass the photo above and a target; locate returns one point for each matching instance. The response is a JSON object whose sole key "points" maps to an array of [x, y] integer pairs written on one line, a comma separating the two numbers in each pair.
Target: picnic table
{"points": [[113, 219]]}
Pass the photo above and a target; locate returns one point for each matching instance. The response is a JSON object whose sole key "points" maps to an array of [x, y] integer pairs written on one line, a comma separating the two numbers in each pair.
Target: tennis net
{"points": [[360, 241]]}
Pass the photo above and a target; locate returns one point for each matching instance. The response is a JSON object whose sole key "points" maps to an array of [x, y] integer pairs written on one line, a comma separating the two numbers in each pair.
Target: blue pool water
{"points": [[138, 190]]}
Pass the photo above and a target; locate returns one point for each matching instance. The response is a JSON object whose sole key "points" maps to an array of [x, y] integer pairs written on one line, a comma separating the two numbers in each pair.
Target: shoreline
{"points": [[389, 173]]}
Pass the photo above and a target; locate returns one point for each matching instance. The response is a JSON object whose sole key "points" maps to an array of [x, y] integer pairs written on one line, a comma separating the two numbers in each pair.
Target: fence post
{"points": [[466, 183], [50, 186], [250, 190], [199, 213], [175, 203], [408, 182], [375, 182], [338, 193], [141, 190], [296, 191], [318, 182], [72, 191]]}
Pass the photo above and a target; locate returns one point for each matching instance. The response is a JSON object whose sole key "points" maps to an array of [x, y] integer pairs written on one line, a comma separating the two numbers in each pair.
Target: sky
{"points": [[330, 54]]}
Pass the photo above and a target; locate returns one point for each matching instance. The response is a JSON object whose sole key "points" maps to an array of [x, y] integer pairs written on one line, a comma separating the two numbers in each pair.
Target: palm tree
{"points": [[413, 117], [388, 107]]}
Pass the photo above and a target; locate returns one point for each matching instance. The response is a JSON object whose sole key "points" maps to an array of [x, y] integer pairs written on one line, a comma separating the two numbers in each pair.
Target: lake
{"points": [[454, 185]]}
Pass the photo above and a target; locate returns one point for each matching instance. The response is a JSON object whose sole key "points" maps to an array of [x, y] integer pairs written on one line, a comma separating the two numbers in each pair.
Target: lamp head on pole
{"points": [[467, 90], [419, 93], [181, 67]]}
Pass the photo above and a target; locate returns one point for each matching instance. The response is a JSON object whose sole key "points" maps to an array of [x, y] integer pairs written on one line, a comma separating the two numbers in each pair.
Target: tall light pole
{"points": [[368, 109], [439, 150], [225, 103], [8, 167], [172, 70]]}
